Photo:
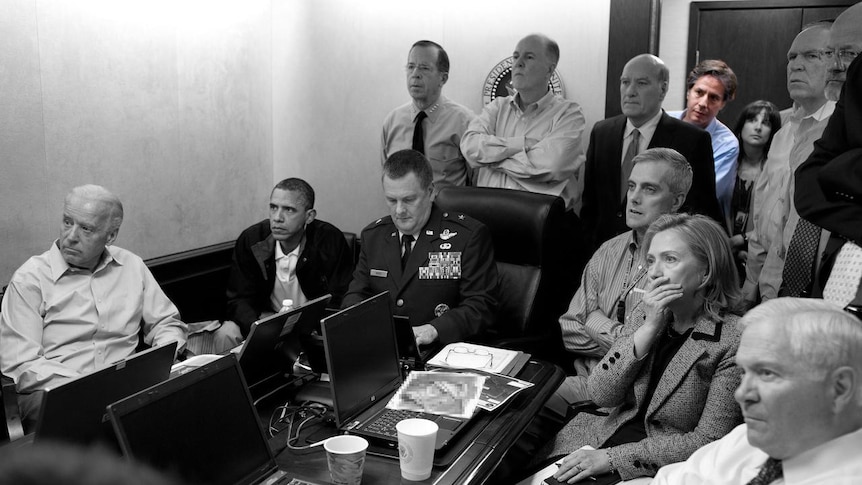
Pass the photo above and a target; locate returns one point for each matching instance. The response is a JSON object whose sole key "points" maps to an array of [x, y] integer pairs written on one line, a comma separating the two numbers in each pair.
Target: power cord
{"points": [[302, 414]]}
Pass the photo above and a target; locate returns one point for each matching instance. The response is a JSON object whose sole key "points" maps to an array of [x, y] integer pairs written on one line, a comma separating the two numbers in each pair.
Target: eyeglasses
{"points": [[810, 56], [422, 68], [471, 358], [845, 55]]}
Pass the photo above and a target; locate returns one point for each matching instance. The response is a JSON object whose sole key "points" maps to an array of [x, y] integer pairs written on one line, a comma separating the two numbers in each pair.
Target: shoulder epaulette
{"points": [[461, 219], [382, 222]]}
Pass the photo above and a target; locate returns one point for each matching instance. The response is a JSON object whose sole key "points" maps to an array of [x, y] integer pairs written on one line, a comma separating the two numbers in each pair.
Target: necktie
{"points": [[418, 135], [769, 472], [406, 247], [843, 282], [799, 262], [631, 152]]}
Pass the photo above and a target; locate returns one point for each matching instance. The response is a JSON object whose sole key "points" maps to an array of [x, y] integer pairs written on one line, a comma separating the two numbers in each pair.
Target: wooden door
{"points": [[753, 38]]}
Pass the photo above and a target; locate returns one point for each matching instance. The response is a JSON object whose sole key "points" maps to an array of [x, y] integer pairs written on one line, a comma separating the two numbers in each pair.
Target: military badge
{"points": [[440, 309], [446, 235], [442, 266]]}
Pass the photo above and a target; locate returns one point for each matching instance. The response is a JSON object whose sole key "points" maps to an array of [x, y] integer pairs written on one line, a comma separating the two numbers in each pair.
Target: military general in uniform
{"points": [[438, 266]]}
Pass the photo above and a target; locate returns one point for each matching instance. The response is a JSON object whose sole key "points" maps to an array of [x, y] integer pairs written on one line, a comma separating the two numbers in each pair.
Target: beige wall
{"points": [[168, 104], [191, 109]]}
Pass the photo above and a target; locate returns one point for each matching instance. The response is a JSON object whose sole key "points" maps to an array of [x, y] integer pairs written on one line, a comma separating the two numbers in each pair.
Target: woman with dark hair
{"points": [[755, 128], [666, 385]]}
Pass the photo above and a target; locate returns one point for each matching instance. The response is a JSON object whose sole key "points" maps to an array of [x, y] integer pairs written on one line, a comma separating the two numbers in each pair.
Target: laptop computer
{"points": [[409, 352], [365, 371], [75, 411], [201, 426], [261, 357]]}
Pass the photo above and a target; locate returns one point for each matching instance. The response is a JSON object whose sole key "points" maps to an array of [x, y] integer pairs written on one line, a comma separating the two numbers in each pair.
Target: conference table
{"points": [[485, 443]]}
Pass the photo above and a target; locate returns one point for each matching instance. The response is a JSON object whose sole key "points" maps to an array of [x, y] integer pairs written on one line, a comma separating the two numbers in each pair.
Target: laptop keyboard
{"points": [[385, 422]]}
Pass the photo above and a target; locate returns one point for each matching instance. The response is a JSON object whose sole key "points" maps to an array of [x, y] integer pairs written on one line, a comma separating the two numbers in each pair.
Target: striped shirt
{"points": [[590, 326]]}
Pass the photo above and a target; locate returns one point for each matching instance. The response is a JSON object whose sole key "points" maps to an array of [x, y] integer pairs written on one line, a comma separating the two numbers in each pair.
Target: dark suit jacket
{"points": [[457, 308], [603, 210], [837, 209], [691, 406], [324, 266]]}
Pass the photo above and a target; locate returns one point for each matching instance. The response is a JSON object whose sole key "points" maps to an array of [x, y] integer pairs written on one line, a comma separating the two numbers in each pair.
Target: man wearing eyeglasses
{"points": [[430, 124], [829, 183], [776, 218]]}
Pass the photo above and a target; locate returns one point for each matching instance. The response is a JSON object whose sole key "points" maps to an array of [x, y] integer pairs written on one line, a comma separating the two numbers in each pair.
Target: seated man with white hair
{"points": [[80, 305], [801, 396]]}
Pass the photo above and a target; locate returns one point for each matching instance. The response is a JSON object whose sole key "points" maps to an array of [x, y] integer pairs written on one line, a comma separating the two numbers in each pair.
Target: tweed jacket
{"points": [[692, 404]]}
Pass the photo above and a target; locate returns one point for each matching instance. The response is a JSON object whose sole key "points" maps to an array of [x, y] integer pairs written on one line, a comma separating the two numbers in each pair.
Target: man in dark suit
{"points": [[615, 141], [829, 182], [438, 266]]}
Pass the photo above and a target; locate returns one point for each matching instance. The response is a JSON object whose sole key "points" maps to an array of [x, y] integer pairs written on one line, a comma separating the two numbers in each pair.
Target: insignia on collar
{"points": [[429, 232], [394, 234], [446, 235]]}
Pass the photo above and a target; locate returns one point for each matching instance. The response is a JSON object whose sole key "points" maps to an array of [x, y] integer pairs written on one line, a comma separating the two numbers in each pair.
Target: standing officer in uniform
{"points": [[438, 266]]}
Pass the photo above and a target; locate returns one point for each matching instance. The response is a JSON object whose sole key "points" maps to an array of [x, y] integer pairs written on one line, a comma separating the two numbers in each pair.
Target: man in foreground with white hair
{"points": [[801, 397]]}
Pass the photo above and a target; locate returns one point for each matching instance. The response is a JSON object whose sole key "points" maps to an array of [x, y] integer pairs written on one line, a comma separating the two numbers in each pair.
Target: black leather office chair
{"points": [[532, 246], [353, 243]]}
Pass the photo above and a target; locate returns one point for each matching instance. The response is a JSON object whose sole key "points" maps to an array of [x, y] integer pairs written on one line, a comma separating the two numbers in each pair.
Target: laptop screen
{"points": [[261, 355], [75, 411], [361, 356], [200, 426]]}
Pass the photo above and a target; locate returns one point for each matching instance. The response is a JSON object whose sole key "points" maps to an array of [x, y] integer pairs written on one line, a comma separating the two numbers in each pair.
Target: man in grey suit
{"points": [[643, 86]]}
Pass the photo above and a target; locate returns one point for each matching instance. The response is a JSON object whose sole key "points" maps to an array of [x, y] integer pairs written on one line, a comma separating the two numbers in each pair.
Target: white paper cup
{"points": [[416, 438], [345, 456]]}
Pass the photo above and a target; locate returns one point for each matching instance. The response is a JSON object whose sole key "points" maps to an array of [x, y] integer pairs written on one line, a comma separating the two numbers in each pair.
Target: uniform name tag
{"points": [[442, 266], [380, 273]]}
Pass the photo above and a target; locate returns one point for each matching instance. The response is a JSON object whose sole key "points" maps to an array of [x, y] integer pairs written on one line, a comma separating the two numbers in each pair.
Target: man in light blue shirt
{"points": [[709, 87]]}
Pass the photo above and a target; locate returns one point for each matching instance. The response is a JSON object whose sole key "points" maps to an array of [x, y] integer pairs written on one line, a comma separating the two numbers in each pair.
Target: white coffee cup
{"points": [[345, 456], [416, 438]]}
